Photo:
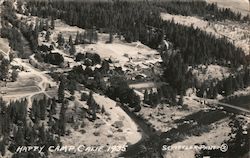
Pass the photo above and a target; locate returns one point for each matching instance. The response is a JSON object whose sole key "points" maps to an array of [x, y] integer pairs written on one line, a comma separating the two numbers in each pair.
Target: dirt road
{"points": [[43, 84]]}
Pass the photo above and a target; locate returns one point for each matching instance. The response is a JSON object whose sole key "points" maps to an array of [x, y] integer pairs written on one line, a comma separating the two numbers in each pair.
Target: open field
{"points": [[121, 52], [66, 30], [241, 6]]}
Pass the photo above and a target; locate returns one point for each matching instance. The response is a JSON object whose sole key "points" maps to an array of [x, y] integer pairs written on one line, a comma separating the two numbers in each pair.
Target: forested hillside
{"points": [[19, 127], [115, 72], [141, 21], [202, 9]]}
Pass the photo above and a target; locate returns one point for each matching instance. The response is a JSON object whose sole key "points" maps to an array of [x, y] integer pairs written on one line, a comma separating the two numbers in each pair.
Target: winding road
{"points": [[150, 136]]}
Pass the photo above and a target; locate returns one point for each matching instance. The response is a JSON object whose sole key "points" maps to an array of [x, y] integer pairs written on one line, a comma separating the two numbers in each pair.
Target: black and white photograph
{"points": [[124, 78]]}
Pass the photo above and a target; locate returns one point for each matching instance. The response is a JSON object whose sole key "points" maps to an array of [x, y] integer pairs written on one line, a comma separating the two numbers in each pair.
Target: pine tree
{"points": [[83, 97], [146, 97], [52, 24], [92, 105], [2, 148], [62, 120], [72, 86], [47, 25], [229, 86], [4, 69], [4, 118], [90, 100], [72, 50], [42, 134], [70, 41], [215, 93], [19, 137], [35, 112], [2, 106], [33, 109], [14, 75], [180, 102], [77, 40], [61, 92], [136, 103], [103, 109], [110, 37], [151, 97], [47, 36], [29, 135], [43, 105], [105, 66], [11, 56], [60, 39], [53, 107]]}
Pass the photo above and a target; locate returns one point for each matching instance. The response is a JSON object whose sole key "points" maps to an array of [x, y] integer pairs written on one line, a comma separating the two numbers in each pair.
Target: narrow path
{"points": [[4, 53]]}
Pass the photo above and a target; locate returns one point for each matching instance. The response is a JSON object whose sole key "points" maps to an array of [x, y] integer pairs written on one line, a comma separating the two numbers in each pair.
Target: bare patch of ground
{"points": [[145, 85], [20, 90], [163, 116], [66, 30], [243, 92], [205, 73], [216, 136], [241, 6], [122, 52], [235, 32]]}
